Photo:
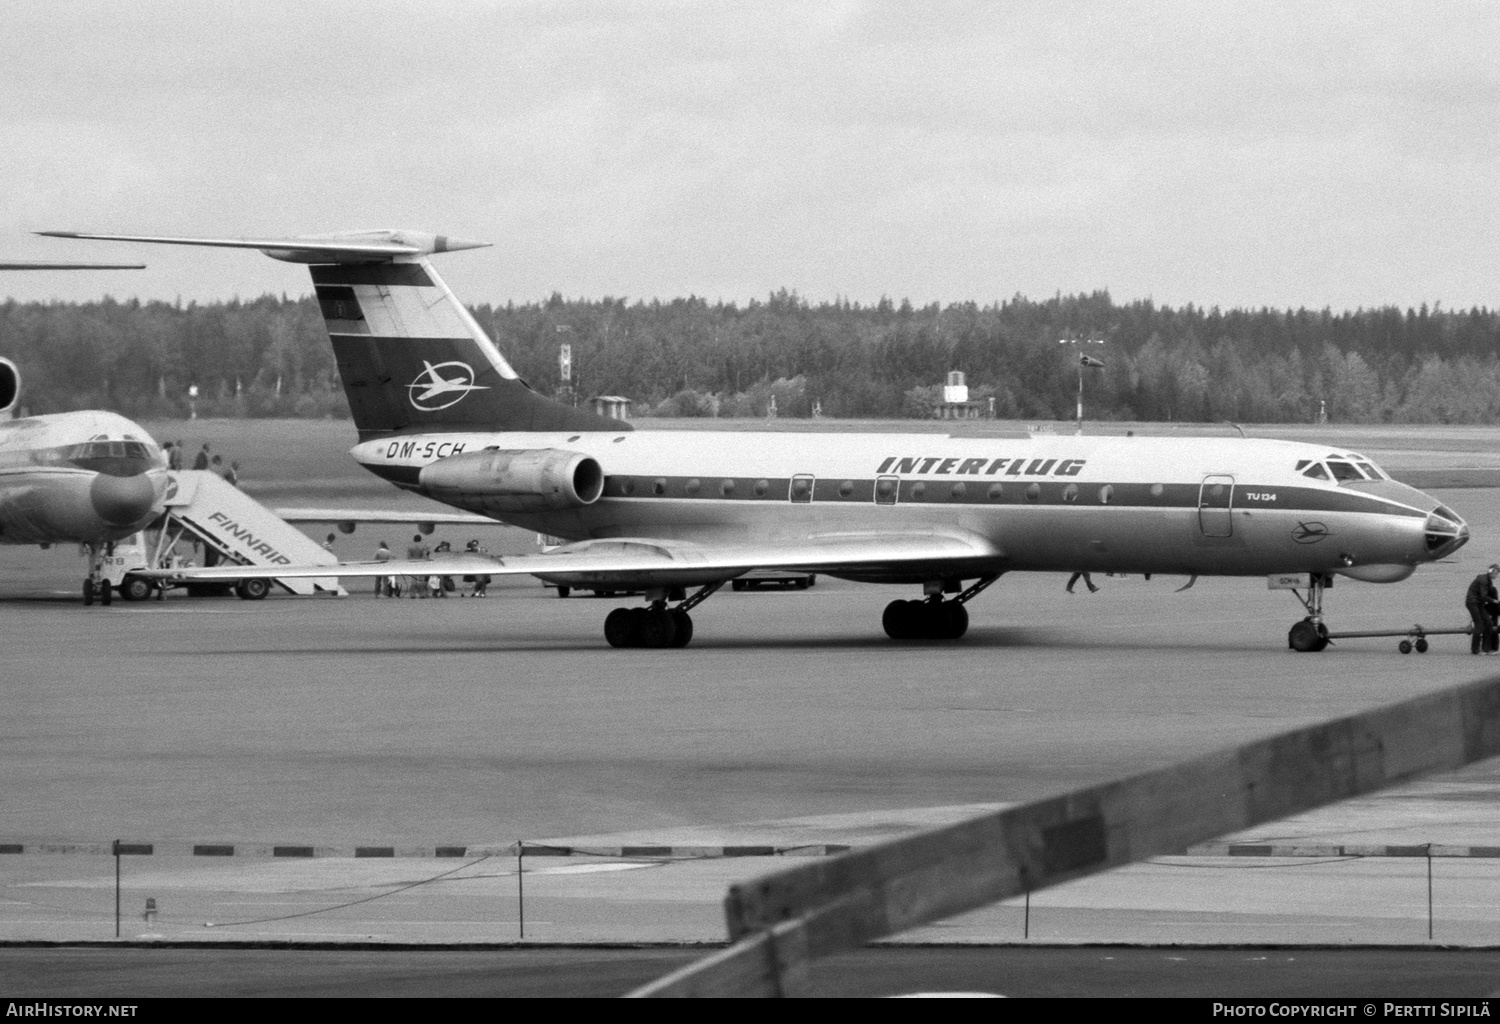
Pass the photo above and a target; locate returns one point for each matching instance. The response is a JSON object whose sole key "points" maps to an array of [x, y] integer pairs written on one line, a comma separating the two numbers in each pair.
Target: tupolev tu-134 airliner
{"points": [[440, 412]]}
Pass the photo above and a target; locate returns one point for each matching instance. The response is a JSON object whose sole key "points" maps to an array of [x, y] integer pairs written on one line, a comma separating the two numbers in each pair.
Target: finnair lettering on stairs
{"points": [[252, 544]]}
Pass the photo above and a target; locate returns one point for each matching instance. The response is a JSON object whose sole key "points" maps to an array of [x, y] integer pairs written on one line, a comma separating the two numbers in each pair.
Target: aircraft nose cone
{"points": [[1445, 532], [122, 500]]}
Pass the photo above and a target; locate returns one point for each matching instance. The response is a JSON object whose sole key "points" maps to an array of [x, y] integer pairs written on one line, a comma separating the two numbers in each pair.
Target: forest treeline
{"points": [[689, 357]]}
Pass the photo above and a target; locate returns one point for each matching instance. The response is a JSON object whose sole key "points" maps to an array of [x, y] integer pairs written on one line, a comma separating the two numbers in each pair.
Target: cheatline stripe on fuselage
{"points": [[830, 490]]}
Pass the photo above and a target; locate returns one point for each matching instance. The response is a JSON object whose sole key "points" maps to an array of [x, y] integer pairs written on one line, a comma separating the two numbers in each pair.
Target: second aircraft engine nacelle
{"points": [[518, 481], [10, 388]]}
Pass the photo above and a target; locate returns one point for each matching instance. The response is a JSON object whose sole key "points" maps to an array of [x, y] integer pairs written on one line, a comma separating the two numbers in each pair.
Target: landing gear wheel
{"points": [[736, 584], [619, 628], [1421, 645], [943, 620], [1307, 636], [925, 620], [958, 620], [932, 620], [898, 620], [638, 618], [106, 593], [563, 591], [252, 590], [88, 593], [1404, 647], [136, 588], [684, 634], [659, 628]]}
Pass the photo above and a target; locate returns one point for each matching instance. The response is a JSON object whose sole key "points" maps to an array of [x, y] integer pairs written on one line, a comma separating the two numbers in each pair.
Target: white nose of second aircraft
{"points": [[123, 500]]}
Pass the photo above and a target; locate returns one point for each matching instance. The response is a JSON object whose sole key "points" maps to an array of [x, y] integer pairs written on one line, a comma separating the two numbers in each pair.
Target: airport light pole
{"points": [[1085, 362], [565, 366]]}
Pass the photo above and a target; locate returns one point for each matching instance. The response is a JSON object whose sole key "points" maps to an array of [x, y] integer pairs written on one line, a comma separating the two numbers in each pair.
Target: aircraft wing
{"points": [[365, 515], [35, 265], [648, 561]]}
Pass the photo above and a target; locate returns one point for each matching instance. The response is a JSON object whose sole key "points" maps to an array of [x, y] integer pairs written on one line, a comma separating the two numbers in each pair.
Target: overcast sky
{"points": [[1318, 153]]}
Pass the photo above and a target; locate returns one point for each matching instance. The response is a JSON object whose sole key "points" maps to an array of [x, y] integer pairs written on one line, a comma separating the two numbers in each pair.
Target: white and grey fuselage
{"points": [[1209, 506]]}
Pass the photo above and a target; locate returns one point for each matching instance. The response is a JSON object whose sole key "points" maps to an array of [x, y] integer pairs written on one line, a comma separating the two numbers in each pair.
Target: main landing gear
{"points": [[1310, 634], [658, 625], [932, 618]]}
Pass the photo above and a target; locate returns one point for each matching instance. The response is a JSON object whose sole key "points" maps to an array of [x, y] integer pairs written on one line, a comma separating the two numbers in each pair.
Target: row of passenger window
{"points": [[887, 490]]}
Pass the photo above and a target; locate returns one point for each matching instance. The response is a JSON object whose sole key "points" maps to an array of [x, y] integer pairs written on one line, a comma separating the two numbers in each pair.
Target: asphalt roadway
{"points": [[791, 719]]}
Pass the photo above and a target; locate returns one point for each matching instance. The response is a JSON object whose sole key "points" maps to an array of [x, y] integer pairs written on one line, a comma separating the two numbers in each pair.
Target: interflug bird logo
{"points": [[435, 389], [1309, 533]]}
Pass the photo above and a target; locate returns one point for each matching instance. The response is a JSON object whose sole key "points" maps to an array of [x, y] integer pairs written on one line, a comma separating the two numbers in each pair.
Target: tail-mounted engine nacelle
{"points": [[10, 388], [518, 481]]}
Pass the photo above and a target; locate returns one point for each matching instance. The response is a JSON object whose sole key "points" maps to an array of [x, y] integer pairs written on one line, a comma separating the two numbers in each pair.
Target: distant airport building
{"points": [[955, 404], [613, 406]]}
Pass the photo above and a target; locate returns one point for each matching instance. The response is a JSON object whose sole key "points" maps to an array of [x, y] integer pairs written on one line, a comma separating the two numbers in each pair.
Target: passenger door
{"points": [[1216, 506]]}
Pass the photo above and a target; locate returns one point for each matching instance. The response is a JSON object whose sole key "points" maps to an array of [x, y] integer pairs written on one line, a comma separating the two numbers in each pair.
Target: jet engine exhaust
{"points": [[10, 387]]}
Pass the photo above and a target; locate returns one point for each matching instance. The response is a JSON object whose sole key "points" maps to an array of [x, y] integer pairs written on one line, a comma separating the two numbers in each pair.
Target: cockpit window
{"points": [[110, 450], [1316, 471], [1344, 472], [1444, 512], [1368, 468]]}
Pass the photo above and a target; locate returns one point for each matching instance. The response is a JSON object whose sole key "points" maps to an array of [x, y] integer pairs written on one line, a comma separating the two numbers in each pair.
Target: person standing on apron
{"points": [[383, 586], [1481, 601]]}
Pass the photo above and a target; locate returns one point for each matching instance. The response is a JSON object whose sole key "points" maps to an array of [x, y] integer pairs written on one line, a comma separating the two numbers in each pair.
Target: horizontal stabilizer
{"points": [[382, 246]]}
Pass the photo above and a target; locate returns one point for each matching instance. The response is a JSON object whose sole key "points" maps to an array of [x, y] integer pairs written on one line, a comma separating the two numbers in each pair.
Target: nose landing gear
{"points": [[1311, 634], [1307, 636], [95, 584]]}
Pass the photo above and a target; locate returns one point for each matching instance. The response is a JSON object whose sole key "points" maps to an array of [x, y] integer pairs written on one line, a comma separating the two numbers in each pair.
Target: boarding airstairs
{"points": [[231, 527]]}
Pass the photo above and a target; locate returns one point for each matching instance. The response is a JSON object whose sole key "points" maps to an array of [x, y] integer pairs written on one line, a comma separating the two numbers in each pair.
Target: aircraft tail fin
{"points": [[410, 355], [412, 358]]}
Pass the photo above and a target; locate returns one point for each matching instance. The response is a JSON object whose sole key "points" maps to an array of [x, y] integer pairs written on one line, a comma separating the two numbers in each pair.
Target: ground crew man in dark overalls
{"points": [[1481, 601]]}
